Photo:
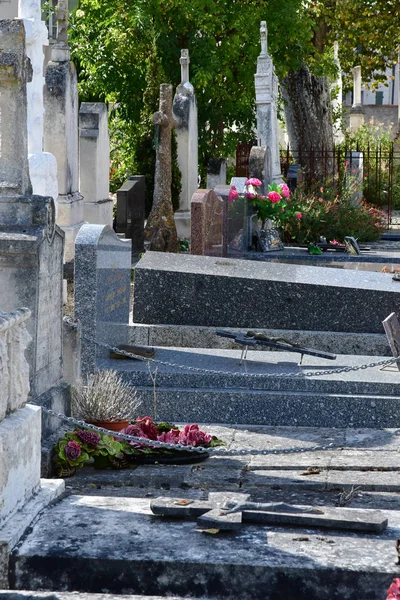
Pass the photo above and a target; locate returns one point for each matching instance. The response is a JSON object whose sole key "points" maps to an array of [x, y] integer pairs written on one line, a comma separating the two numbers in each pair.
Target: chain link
{"points": [[221, 450], [380, 363]]}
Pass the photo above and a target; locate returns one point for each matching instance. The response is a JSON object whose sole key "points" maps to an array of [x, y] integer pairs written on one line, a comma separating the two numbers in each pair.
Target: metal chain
{"points": [[200, 449], [379, 363], [219, 450]]}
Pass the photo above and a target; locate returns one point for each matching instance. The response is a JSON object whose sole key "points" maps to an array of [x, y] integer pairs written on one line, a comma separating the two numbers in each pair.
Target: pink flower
{"points": [[298, 215], [171, 437], [193, 436], [233, 194], [253, 181], [285, 190], [73, 450], [142, 427], [274, 197], [251, 196], [321, 189], [394, 590]]}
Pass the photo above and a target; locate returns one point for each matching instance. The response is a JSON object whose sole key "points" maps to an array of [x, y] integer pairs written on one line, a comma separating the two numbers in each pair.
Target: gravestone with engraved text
{"points": [[102, 290]]}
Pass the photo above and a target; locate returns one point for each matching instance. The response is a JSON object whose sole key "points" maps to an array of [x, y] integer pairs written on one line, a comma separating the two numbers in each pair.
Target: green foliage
{"points": [[381, 173], [333, 215]]}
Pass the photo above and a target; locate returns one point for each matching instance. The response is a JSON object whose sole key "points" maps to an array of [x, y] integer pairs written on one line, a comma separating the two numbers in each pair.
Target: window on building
{"points": [[378, 97]]}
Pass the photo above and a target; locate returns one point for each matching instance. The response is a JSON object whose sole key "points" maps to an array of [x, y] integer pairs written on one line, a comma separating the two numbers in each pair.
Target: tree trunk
{"points": [[307, 105]]}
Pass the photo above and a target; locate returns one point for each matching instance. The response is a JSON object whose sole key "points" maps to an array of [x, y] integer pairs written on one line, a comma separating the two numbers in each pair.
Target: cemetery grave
{"points": [[304, 493]]}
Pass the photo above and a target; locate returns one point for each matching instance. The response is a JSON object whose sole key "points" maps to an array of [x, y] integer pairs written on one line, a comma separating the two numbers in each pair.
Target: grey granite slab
{"points": [[103, 544], [102, 290], [209, 291]]}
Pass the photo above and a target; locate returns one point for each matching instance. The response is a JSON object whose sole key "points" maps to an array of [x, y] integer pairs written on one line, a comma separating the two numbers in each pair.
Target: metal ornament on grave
{"points": [[392, 329], [160, 232], [226, 513]]}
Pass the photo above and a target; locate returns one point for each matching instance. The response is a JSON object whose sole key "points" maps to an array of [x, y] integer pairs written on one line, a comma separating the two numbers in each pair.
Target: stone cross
{"points": [[264, 38], [15, 72], [160, 229], [62, 21], [357, 86], [185, 61]]}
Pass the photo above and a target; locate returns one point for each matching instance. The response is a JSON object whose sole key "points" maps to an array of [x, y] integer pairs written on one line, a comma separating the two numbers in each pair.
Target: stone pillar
{"points": [[185, 113], [15, 73], [26, 234], [42, 165], [31, 246], [266, 84], [94, 163], [337, 88], [61, 132], [356, 112]]}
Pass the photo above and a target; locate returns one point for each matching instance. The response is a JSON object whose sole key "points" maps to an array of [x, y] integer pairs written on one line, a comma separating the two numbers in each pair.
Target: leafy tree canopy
{"points": [[112, 40]]}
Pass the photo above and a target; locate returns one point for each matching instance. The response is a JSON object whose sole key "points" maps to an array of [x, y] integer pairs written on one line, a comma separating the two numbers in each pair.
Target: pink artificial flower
{"points": [[251, 196], [233, 194], [335, 242], [298, 215], [73, 450], [394, 590], [171, 437], [142, 427], [285, 190], [253, 181], [321, 189], [193, 436], [274, 197]]}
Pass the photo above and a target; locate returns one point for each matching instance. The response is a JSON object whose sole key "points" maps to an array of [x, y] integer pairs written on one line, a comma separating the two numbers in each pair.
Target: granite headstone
{"points": [[130, 212], [255, 294], [206, 223], [102, 290]]}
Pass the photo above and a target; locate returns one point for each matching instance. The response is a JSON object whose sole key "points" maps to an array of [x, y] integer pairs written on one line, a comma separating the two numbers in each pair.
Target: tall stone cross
{"points": [[160, 230], [184, 61], [264, 38], [15, 72], [62, 21]]}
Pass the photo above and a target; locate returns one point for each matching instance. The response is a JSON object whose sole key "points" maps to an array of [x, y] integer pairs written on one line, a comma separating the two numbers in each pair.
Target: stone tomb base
{"points": [[220, 292]]}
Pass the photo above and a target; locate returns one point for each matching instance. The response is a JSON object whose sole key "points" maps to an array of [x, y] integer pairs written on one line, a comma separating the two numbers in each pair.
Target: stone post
{"points": [[185, 112], [160, 232], [266, 84], [15, 73], [31, 246], [61, 133], [94, 163], [356, 112], [337, 88], [42, 165]]}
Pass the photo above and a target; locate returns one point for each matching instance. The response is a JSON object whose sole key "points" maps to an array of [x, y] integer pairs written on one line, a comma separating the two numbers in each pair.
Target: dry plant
{"points": [[104, 397]]}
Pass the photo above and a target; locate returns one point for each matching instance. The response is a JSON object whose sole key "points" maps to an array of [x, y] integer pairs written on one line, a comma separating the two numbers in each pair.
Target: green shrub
{"points": [[333, 215]]}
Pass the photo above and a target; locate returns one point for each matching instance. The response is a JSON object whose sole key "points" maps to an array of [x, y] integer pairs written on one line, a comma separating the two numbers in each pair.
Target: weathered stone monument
{"points": [[266, 84], [22, 492], [102, 290], [94, 163], [356, 112], [185, 112], [31, 245], [160, 233], [42, 165], [61, 131]]}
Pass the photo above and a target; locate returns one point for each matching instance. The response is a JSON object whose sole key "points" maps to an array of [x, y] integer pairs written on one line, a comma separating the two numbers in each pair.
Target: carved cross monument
{"points": [[15, 72], [62, 21], [160, 232], [266, 84], [184, 61]]}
